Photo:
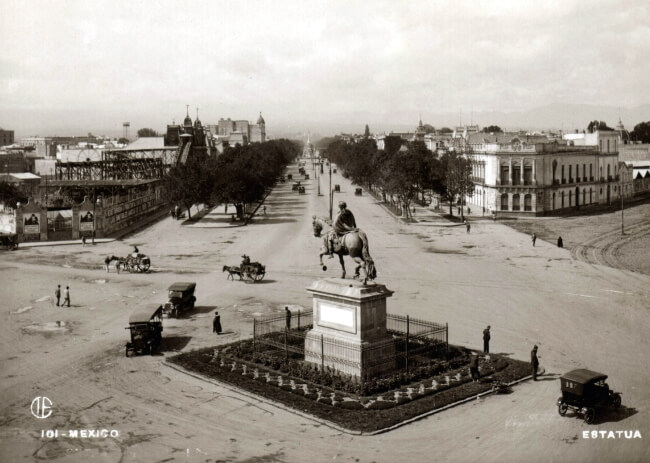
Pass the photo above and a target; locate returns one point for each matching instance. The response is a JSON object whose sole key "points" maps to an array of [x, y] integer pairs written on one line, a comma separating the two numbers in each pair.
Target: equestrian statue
{"points": [[345, 239]]}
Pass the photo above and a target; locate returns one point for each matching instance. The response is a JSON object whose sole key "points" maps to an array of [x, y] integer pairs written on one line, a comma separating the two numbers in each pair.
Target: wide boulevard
{"points": [[580, 315]]}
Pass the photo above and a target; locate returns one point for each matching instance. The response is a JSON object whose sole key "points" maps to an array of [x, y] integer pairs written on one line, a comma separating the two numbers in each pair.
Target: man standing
{"points": [[473, 367], [83, 241], [534, 362], [216, 323], [287, 316], [66, 296], [57, 293], [534, 238], [467, 225], [486, 340], [560, 243]]}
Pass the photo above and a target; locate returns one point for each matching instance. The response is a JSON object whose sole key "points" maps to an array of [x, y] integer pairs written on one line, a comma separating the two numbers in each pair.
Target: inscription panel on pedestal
{"points": [[337, 317]]}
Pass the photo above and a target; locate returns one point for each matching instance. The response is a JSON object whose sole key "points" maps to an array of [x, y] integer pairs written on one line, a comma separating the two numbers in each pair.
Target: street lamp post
{"points": [[331, 191]]}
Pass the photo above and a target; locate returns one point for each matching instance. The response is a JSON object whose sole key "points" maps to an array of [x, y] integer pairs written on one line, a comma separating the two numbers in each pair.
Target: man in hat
{"points": [[216, 323], [287, 316], [534, 362], [245, 260], [344, 223], [473, 368], [486, 340]]}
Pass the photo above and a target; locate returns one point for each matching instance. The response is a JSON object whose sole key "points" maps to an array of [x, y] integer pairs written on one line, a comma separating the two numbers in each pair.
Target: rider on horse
{"points": [[343, 224]]}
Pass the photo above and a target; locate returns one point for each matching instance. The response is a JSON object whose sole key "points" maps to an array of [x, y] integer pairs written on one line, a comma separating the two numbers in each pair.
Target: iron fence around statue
{"points": [[416, 341]]}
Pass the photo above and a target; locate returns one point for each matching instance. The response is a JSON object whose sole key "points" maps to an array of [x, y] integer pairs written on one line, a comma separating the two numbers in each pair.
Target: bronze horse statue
{"points": [[353, 244]]}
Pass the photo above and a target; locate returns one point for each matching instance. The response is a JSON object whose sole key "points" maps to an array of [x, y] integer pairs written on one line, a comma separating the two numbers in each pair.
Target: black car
{"points": [[584, 391]]}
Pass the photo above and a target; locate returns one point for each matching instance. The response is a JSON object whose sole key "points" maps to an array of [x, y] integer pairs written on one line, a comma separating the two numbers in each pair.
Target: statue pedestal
{"points": [[349, 331]]}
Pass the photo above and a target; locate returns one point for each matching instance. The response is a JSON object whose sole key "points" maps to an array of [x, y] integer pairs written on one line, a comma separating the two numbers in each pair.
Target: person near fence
{"points": [[216, 323], [486, 340], [287, 316]]}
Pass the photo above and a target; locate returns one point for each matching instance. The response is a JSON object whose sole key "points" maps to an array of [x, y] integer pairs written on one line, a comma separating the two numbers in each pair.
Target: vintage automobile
{"points": [[181, 298], [145, 324], [8, 241], [337, 188], [583, 391], [358, 191]]}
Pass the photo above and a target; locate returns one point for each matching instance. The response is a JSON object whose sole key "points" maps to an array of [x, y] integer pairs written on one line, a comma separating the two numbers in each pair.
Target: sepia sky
{"points": [[79, 66]]}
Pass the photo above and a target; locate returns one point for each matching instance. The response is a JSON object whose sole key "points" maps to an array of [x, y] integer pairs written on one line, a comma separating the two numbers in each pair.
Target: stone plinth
{"points": [[349, 331]]}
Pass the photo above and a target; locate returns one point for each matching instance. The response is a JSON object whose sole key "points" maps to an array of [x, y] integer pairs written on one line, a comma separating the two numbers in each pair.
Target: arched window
{"points": [[563, 177], [608, 172], [515, 202], [570, 198], [563, 200], [584, 196], [570, 174], [504, 202], [528, 203], [591, 199], [553, 208]]}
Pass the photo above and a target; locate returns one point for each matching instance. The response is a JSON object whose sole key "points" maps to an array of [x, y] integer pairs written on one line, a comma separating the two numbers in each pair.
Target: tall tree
{"points": [[453, 182], [10, 195], [147, 132], [366, 132], [641, 132], [597, 125], [492, 129]]}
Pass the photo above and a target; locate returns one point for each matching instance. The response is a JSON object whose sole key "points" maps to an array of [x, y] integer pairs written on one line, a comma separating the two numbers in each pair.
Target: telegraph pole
{"points": [[331, 191], [620, 190]]}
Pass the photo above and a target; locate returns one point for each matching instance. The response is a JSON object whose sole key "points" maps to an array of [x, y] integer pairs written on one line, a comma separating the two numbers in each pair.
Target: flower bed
{"points": [[348, 402]]}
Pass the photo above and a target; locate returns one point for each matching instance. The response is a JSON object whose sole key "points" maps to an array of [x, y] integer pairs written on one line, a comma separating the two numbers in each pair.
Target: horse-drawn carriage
{"points": [[306, 176], [337, 188], [357, 191], [133, 263], [295, 186], [145, 324], [301, 190], [248, 271], [8, 241]]}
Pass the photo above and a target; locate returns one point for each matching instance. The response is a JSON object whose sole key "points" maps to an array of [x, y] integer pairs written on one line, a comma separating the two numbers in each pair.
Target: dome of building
{"points": [[260, 120]]}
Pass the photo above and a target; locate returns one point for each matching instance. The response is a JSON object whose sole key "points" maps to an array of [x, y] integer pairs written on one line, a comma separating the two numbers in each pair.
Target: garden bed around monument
{"points": [[362, 406]]}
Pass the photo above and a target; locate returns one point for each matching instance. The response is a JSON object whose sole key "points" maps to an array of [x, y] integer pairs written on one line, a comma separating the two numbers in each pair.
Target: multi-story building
{"points": [[6, 137], [525, 176], [244, 130]]}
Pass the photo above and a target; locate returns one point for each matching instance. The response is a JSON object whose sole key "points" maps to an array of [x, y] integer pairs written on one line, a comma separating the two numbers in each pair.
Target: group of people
{"points": [[66, 296], [560, 243], [474, 359]]}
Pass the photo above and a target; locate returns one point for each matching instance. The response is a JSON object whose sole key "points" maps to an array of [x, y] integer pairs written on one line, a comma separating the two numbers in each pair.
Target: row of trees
{"points": [[239, 176], [403, 173]]}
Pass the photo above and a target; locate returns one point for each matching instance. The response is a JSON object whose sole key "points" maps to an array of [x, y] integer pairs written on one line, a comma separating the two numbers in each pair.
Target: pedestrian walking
{"points": [[458, 210], [534, 362], [264, 210], [468, 210], [66, 296], [287, 316], [473, 368], [83, 241], [534, 238], [57, 293], [560, 243], [225, 208], [486, 340], [467, 225], [93, 237]]}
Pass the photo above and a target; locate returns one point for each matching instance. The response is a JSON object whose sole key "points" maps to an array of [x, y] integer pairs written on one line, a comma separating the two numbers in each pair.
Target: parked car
{"points": [[181, 298], [145, 324], [585, 391]]}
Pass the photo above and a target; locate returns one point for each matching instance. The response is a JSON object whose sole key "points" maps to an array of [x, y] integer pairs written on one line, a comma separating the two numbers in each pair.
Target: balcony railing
{"points": [[584, 179], [570, 180], [602, 179], [556, 182], [610, 178], [563, 181], [591, 179]]}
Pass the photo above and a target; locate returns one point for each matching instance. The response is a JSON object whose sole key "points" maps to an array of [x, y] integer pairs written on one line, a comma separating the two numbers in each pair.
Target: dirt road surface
{"points": [[579, 314]]}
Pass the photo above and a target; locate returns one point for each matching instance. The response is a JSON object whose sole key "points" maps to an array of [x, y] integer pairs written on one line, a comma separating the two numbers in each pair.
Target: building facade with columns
{"points": [[514, 177]]}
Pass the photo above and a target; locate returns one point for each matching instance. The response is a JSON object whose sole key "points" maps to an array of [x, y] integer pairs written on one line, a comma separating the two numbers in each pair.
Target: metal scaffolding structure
{"points": [[113, 169]]}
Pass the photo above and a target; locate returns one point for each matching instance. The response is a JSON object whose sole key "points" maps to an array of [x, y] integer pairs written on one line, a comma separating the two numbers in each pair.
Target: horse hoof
{"points": [[324, 268]]}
